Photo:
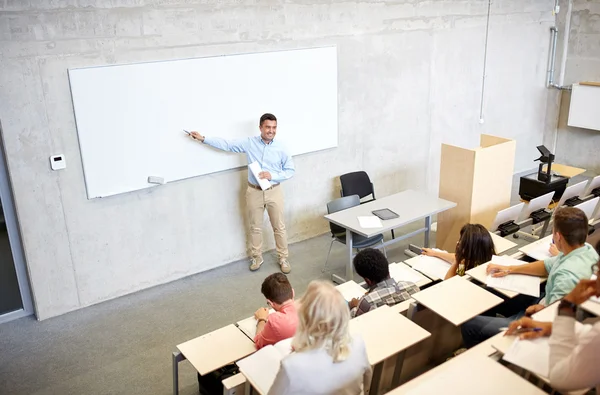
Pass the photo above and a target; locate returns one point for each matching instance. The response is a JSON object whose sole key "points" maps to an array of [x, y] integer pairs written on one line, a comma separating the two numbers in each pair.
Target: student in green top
{"points": [[564, 271], [474, 247]]}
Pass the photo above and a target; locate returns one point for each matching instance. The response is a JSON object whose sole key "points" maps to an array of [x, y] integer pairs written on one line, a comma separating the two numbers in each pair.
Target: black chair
{"points": [[358, 183], [339, 234]]}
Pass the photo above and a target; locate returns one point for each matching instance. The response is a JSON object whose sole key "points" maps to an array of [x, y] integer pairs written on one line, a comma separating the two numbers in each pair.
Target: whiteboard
{"points": [[130, 117], [583, 111]]}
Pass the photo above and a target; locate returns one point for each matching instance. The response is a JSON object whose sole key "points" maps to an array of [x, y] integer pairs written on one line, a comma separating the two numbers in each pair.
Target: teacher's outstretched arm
{"points": [[238, 146]]}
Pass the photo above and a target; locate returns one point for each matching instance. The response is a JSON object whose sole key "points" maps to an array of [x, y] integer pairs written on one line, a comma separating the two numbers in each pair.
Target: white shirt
{"points": [[574, 357], [314, 372]]}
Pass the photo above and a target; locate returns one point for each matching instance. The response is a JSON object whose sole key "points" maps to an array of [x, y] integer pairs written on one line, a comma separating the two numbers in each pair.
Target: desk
{"points": [[564, 170], [591, 307], [479, 273], [456, 300], [410, 205], [212, 351], [386, 333], [469, 374], [538, 250], [501, 244]]}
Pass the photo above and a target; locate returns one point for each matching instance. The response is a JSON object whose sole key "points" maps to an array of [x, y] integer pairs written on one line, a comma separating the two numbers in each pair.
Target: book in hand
{"points": [[261, 368]]}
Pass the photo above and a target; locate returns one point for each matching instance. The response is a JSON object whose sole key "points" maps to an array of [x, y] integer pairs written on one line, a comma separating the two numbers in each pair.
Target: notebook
{"points": [[261, 367]]}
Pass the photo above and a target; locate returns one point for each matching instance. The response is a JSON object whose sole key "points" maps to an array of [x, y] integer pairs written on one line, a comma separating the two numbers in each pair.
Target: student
{"points": [[280, 325], [564, 271], [326, 358], [574, 356], [373, 266], [474, 247]]}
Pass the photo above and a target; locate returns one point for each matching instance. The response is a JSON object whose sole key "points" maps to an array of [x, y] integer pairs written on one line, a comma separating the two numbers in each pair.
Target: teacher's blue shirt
{"points": [[271, 157]]}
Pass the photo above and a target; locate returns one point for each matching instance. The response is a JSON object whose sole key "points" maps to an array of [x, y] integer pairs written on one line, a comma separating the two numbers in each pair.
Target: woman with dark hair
{"points": [[474, 247]]}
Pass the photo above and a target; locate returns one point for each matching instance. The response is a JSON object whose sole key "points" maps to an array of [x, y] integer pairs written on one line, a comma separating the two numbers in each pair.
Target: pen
{"points": [[522, 330], [186, 131]]}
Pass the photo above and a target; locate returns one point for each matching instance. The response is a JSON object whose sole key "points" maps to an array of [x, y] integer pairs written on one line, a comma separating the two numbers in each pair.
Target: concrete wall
{"points": [[410, 77], [576, 146]]}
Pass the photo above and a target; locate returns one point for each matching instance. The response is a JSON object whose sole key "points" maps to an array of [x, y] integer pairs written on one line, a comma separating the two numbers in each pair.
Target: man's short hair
{"points": [[572, 224], [372, 264], [277, 288], [267, 117]]}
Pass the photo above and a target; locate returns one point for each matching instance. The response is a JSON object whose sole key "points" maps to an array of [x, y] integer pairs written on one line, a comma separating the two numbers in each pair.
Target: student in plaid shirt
{"points": [[373, 266]]}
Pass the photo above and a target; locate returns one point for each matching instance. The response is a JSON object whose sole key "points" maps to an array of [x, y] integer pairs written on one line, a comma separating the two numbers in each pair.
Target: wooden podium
{"points": [[479, 180]]}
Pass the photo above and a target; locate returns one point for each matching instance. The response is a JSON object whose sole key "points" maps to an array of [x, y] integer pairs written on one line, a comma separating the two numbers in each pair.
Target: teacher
{"points": [[277, 166]]}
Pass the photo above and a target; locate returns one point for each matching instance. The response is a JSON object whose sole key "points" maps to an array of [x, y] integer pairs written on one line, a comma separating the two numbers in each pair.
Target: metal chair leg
{"points": [[327, 260], [384, 251]]}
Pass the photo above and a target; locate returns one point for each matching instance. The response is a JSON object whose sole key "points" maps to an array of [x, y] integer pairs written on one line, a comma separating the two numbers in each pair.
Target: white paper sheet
{"points": [[531, 355], [539, 250], [248, 325], [255, 169], [402, 273], [370, 222], [261, 367], [431, 266], [351, 290], [521, 283]]}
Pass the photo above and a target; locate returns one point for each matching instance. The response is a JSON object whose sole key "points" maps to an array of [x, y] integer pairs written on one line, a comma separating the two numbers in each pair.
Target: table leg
{"points": [[177, 357], [412, 309], [377, 372], [349, 269], [427, 230], [545, 228], [398, 369]]}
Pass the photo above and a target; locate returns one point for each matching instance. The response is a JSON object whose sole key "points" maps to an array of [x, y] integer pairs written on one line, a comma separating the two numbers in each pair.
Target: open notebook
{"points": [[534, 355], [538, 250], [350, 290], [521, 283], [435, 268], [248, 326], [400, 272], [261, 367]]}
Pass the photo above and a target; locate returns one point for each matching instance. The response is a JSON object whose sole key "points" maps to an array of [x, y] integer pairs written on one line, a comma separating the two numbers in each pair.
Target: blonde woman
{"points": [[326, 359]]}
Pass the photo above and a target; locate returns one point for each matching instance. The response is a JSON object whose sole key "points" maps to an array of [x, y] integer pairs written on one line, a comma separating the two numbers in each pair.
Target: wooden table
{"points": [[212, 351], [469, 374], [456, 300], [386, 333], [411, 206]]}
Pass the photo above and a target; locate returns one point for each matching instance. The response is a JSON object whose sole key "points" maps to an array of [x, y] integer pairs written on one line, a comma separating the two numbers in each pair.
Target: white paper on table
{"points": [[256, 170], [370, 222], [539, 250], [402, 273], [248, 326], [351, 290], [532, 355], [520, 283], [431, 266], [261, 367]]}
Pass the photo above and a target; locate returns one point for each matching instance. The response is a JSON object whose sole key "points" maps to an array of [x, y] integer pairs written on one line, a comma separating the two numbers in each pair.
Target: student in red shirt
{"points": [[281, 324]]}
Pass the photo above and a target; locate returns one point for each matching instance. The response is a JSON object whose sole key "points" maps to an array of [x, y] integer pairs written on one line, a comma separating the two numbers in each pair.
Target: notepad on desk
{"points": [[538, 250], [261, 367], [521, 283], [248, 326], [433, 267], [351, 290], [400, 272], [369, 222]]}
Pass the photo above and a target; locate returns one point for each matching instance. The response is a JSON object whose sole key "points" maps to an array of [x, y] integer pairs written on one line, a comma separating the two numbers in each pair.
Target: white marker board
{"points": [[130, 117], [583, 111]]}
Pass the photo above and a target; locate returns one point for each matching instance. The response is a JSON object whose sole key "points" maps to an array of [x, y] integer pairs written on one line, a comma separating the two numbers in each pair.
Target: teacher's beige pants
{"points": [[272, 200]]}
